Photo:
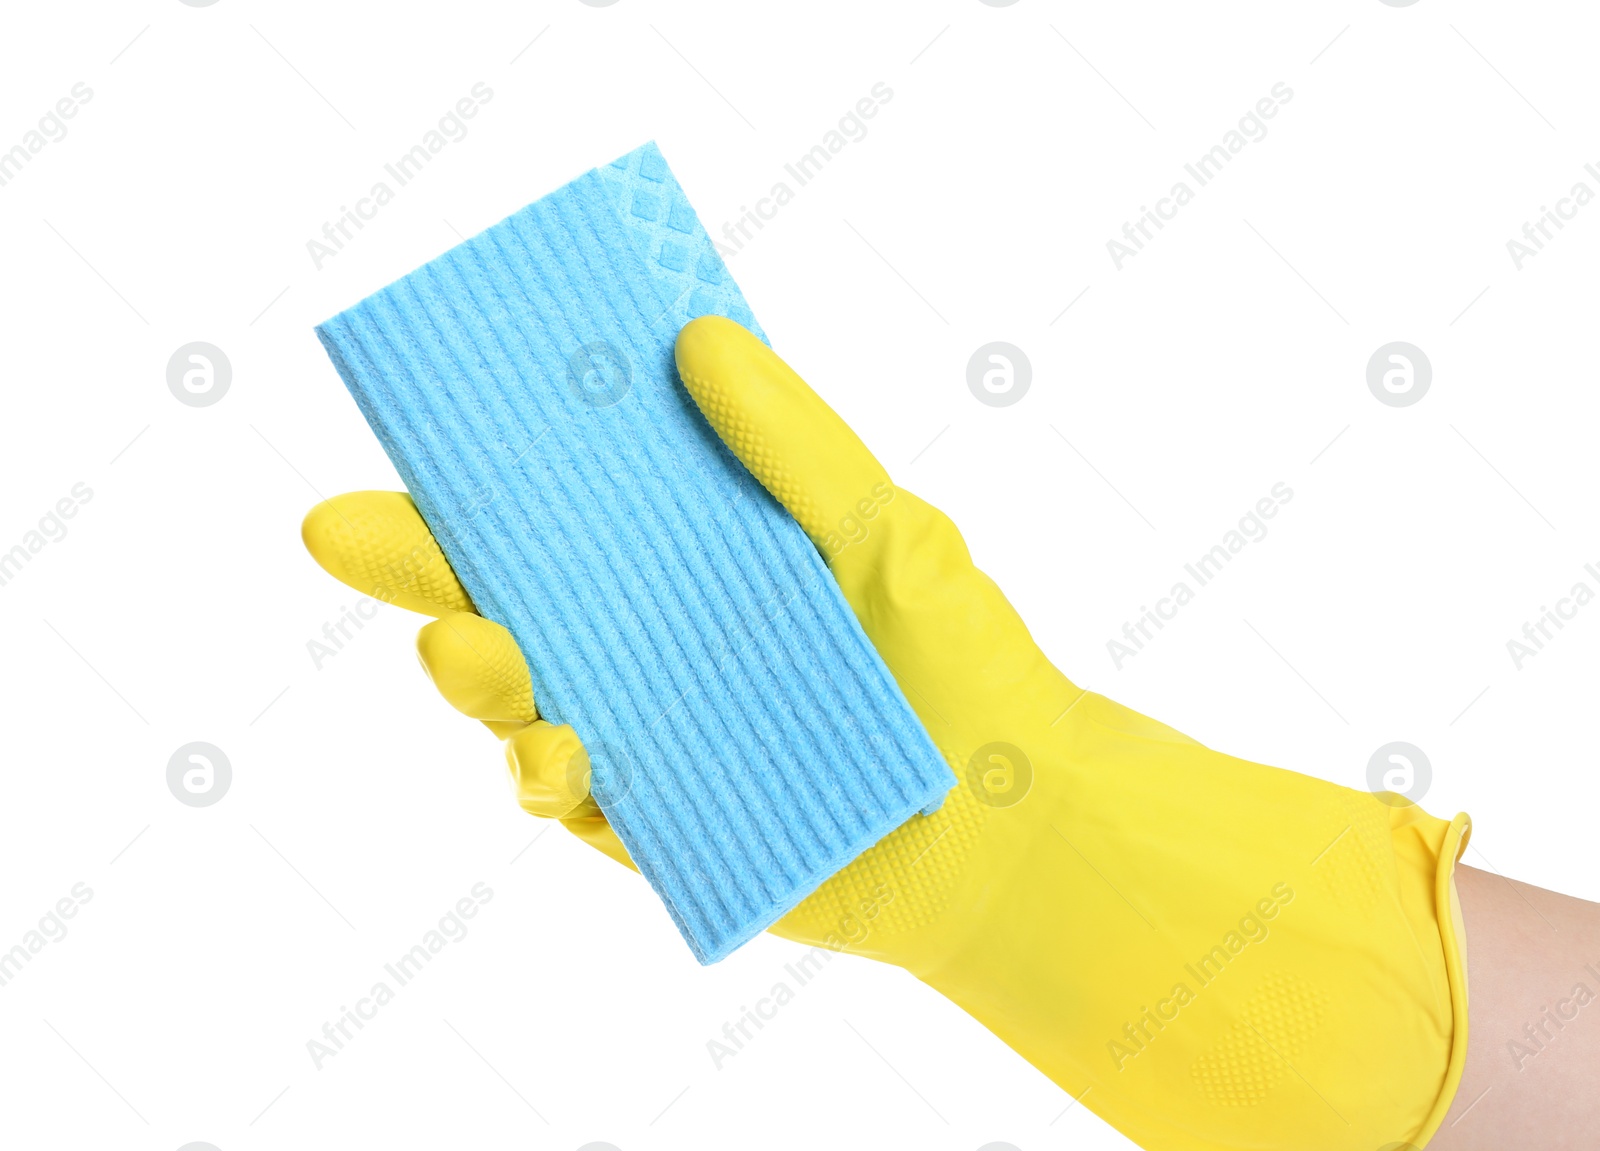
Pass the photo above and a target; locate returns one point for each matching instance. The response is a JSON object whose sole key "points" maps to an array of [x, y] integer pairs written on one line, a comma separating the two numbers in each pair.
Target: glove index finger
{"points": [[780, 429], [378, 544], [478, 668]]}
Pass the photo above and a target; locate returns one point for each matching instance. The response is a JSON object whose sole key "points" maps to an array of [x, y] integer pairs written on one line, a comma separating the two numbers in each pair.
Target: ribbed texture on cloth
{"points": [[746, 739]]}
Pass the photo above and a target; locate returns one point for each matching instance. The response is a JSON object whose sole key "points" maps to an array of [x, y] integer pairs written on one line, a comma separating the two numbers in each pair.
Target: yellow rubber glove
{"points": [[1210, 954]]}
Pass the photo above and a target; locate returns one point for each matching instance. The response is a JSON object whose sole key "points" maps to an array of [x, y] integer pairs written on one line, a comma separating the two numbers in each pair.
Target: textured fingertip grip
{"points": [[745, 739]]}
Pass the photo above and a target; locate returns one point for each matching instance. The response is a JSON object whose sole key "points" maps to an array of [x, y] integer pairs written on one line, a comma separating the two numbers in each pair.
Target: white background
{"points": [[1228, 356]]}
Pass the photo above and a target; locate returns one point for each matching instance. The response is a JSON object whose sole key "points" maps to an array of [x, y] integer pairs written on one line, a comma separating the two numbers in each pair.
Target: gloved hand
{"points": [[1208, 953]]}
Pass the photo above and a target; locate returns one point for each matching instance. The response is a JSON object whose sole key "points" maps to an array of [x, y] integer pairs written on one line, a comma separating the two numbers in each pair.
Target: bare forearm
{"points": [[1532, 1075]]}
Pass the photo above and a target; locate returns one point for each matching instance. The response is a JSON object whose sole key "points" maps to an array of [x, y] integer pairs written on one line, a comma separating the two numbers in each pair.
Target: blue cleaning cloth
{"points": [[746, 740]]}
